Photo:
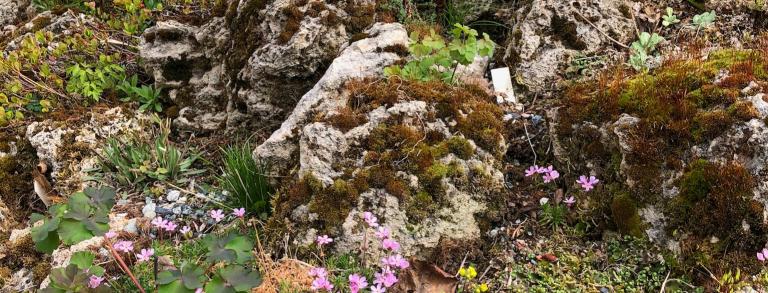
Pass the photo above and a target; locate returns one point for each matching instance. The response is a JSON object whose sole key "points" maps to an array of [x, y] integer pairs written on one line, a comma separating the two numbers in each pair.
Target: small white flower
{"points": [[543, 201]]}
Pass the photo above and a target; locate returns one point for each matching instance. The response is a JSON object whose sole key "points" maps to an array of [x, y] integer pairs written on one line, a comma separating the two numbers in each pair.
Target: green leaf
{"points": [[45, 237], [173, 287], [73, 232], [241, 278], [102, 196], [79, 207], [82, 259], [217, 285]]}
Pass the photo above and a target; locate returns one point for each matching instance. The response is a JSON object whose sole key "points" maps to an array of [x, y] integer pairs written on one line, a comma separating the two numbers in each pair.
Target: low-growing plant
{"points": [[245, 179], [643, 48], [86, 214], [226, 268], [134, 161], [77, 276], [91, 80], [436, 60], [669, 18], [704, 20], [148, 97]]}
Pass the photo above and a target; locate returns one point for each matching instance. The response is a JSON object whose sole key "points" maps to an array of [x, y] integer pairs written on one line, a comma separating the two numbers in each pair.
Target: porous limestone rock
{"points": [[250, 65], [547, 33], [364, 58], [21, 281], [55, 142], [12, 11]]}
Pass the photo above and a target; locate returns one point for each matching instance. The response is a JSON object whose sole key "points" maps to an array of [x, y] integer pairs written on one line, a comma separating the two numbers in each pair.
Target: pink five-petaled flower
{"points": [[322, 284], [318, 272], [357, 282], [587, 183], [159, 222], [170, 226], [217, 215], [124, 246], [371, 219], [378, 289], [323, 240], [532, 170], [185, 230], [110, 234], [551, 175], [569, 201], [382, 233], [763, 255], [390, 244], [94, 281], [145, 254], [386, 278], [239, 212], [396, 261]]}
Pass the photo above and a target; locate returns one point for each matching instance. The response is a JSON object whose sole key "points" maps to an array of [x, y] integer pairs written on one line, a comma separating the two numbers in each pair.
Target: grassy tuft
{"points": [[245, 179]]}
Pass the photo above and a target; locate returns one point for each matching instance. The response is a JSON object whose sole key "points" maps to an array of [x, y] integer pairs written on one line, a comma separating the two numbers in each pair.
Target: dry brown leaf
{"points": [[547, 256], [423, 277]]}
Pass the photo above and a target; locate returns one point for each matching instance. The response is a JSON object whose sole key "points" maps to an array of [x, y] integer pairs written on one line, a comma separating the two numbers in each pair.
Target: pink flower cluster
{"points": [[383, 279], [163, 224], [550, 174], [587, 183]]}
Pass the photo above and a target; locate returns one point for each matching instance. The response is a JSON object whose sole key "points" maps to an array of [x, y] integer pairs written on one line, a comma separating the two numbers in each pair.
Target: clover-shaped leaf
{"points": [[186, 279], [104, 196]]}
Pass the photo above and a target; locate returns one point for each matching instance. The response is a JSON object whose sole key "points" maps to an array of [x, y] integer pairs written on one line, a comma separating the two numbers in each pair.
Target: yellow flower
{"points": [[471, 273], [462, 272], [483, 287]]}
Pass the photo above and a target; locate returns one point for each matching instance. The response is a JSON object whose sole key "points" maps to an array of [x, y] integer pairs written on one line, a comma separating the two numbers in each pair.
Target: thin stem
{"points": [[124, 267]]}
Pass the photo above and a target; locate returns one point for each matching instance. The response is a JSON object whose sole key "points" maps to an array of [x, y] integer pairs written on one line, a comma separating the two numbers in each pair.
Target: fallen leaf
{"points": [[423, 277]]}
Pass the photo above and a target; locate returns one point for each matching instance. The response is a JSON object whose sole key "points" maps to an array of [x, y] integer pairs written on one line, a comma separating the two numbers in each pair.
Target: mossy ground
{"points": [[690, 100]]}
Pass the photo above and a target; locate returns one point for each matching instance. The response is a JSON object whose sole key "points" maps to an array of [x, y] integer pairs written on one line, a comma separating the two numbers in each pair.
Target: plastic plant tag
{"points": [[502, 83]]}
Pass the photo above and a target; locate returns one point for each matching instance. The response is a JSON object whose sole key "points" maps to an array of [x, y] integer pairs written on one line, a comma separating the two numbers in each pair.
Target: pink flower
{"points": [[531, 171], [94, 281], [318, 272], [239, 212], [382, 233], [159, 222], [217, 215], [378, 289], [199, 290], [145, 254], [587, 183], [370, 219], [110, 234], [551, 176], [569, 201], [542, 170], [391, 245], [386, 278], [322, 284], [185, 230], [357, 282], [124, 246], [323, 240], [763, 255], [396, 261], [170, 226]]}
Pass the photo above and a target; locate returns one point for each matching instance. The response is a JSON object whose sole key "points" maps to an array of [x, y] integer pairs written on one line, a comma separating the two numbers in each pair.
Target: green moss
{"points": [[460, 147], [420, 206], [625, 216], [333, 204]]}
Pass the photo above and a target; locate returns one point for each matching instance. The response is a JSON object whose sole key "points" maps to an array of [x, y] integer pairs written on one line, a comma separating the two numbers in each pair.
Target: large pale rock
{"points": [[251, 65], [57, 143], [12, 11], [364, 58], [547, 33]]}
